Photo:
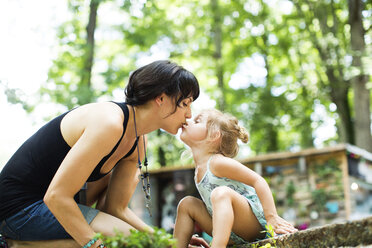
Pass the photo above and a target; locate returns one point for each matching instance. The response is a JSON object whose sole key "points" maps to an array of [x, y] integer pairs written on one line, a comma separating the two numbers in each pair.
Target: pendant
{"points": [[148, 206]]}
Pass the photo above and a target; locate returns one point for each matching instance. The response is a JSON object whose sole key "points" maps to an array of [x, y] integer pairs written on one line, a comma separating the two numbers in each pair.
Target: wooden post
{"points": [[302, 164], [345, 179], [258, 168]]}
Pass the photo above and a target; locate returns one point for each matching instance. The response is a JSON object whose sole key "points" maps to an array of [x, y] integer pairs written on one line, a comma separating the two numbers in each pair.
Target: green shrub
{"points": [[137, 239]]}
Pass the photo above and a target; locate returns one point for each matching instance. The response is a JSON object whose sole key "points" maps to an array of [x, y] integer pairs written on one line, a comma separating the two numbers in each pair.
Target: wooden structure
{"points": [[302, 158]]}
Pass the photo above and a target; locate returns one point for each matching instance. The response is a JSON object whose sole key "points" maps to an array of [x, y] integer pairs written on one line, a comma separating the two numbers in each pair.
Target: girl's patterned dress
{"points": [[209, 182]]}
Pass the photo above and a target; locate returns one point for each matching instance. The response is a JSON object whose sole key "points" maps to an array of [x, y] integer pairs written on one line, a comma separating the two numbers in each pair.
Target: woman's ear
{"points": [[160, 99]]}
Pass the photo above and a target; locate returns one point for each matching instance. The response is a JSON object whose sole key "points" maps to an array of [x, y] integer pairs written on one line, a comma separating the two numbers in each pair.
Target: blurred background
{"points": [[296, 73]]}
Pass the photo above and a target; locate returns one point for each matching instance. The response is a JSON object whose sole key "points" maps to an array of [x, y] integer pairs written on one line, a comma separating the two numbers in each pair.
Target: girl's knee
{"points": [[220, 193], [187, 203]]}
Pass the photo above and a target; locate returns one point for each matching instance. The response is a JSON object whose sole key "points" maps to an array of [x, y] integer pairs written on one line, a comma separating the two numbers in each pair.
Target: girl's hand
{"points": [[198, 242], [280, 225]]}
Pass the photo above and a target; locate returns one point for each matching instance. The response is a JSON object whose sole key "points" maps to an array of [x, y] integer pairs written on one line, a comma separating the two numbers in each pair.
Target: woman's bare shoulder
{"points": [[99, 118], [97, 114]]}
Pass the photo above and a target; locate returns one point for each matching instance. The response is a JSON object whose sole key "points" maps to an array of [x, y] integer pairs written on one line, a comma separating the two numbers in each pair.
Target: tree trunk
{"points": [[307, 139], [339, 95], [217, 39], [271, 128], [89, 55], [362, 120]]}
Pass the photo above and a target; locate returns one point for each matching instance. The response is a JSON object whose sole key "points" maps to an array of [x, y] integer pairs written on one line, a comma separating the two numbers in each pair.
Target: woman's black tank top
{"points": [[27, 175]]}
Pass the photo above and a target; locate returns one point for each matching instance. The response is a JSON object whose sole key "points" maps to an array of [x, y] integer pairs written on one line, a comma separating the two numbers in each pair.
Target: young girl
{"points": [[237, 202]]}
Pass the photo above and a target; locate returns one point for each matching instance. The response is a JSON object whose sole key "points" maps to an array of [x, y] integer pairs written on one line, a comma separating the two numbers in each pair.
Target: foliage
{"points": [[140, 239], [329, 183], [331, 167], [271, 234], [16, 96], [166, 149], [273, 63], [320, 198], [290, 190]]}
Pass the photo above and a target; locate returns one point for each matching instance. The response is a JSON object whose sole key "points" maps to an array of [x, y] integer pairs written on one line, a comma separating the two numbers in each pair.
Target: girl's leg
{"points": [[189, 211], [231, 211]]}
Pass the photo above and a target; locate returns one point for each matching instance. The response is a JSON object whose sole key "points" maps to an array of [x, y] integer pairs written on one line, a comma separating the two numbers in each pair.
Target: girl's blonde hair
{"points": [[229, 129]]}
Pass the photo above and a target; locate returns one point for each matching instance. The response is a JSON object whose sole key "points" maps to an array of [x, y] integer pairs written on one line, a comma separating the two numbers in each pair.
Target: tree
{"points": [[89, 49], [69, 78], [304, 54], [217, 55], [362, 123], [325, 28]]}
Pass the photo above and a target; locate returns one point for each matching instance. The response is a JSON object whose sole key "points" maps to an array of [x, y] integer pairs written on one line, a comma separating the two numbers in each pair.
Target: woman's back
{"points": [[27, 175]]}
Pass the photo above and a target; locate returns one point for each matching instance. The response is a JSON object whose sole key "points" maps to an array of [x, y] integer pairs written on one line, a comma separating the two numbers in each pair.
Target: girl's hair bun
{"points": [[243, 134]]}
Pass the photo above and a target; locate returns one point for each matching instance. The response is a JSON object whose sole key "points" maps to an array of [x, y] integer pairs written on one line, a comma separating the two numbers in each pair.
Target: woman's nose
{"points": [[188, 113]]}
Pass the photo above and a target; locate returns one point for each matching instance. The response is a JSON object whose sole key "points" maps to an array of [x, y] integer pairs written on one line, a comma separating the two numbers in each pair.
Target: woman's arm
{"points": [[226, 167], [98, 137], [121, 188]]}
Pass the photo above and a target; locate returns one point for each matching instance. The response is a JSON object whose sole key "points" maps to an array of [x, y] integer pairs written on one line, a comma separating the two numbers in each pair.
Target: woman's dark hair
{"points": [[163, 76]]}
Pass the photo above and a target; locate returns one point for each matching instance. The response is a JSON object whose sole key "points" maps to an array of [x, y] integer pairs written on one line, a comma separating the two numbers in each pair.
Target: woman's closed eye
{"points": [[186, 103]]}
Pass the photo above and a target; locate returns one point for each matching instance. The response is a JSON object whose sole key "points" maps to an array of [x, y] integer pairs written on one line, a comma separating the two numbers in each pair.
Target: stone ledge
{"points": [[349, 234]]}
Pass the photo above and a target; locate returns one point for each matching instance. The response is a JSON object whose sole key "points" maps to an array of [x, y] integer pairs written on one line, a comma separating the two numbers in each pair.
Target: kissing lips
{"points": [[183, 125]]}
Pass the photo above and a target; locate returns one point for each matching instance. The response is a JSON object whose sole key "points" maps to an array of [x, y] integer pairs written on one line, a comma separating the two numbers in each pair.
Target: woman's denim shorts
{"points": [[36, 222]]}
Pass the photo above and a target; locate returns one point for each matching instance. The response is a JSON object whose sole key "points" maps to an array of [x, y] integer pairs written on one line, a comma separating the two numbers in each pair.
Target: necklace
{"points": [[144, 175]]}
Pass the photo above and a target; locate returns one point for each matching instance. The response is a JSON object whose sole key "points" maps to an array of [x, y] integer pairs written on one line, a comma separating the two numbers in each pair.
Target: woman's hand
{"points": [[198, 242], [280, 225]]}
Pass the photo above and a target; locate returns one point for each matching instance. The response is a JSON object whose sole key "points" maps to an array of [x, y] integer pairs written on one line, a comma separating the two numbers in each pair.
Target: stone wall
{"points": [[348, 234]]}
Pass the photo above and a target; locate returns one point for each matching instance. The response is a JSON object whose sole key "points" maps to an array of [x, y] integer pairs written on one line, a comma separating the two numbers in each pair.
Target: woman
{"points": [[98, 143]]}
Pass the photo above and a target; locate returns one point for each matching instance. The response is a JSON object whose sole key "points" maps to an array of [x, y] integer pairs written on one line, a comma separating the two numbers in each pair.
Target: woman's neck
{"points": [[145, 119]]}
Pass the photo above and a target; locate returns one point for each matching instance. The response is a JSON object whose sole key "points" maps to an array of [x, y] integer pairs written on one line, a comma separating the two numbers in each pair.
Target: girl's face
{"points": [[195, 131], [174, 121]]}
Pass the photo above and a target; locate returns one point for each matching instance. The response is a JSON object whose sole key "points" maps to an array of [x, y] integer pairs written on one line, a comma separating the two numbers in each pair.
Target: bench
{"points": [[62, 243]]}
